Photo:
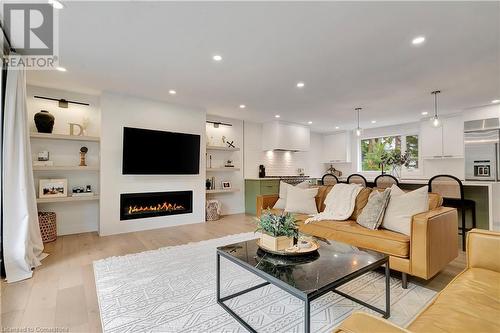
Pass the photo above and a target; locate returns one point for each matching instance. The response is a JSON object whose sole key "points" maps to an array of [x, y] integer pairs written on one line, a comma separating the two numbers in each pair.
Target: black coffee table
{"points": [[305, 277]]}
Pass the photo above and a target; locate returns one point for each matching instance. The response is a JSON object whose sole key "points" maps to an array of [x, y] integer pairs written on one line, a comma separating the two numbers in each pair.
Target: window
{"points": [[372, 149]]}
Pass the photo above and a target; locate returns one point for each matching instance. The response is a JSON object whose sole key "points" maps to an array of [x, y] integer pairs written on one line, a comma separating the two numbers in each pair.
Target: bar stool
{"points": [[357, 179], [385, 181], [329, 179], [452, 191]]}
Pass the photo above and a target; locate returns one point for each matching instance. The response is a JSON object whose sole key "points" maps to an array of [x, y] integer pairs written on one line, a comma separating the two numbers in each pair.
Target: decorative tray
{"points": [[292, 251]]}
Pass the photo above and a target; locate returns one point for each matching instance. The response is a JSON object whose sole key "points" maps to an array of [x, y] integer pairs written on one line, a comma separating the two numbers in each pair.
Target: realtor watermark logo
{"points": [[32, 29]]}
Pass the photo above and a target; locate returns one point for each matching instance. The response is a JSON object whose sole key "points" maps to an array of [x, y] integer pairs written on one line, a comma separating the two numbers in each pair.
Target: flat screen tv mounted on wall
{"points": [[150, 152]]}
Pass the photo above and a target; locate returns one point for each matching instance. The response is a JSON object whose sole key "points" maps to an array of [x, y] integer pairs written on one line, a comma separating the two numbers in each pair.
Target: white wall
{"points": [[232, 203], [279, 163], [122, 110], [72, 217]]}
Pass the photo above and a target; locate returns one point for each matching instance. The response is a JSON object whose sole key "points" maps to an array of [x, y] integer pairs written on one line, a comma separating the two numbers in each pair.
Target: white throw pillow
{"points": [[402, 206], [300, 200], [281, 203]]}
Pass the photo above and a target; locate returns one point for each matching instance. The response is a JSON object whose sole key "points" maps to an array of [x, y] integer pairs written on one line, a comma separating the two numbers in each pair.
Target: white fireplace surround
{"points": [[119, 111]]}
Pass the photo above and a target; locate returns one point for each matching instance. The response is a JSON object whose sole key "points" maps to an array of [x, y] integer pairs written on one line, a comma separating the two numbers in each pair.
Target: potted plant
{"points": [[278, 231], [395, 160]]}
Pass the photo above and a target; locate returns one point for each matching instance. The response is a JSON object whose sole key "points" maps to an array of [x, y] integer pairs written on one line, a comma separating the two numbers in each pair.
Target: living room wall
{"points": [[119, 111]]}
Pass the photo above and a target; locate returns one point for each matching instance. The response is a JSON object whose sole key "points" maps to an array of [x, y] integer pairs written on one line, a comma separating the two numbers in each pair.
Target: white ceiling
{"points": [[348, 55]]}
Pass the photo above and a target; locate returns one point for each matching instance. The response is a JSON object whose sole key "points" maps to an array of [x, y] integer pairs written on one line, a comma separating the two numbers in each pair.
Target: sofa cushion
{"points": [[361, 201], [470, 303], [350, 232], [435, 201], [300, 200], [371, 216]]}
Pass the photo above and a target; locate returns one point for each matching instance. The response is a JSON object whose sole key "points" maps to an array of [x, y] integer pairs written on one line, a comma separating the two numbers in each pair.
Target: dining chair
{"points": [[329, 179]]}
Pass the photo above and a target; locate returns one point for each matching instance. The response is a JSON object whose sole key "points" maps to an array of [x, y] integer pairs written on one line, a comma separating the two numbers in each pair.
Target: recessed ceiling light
{"points": [[495, 101], [277, 116], [336, 127], [309, 122], [374, 121], [242, 106], [300, 84], [217, 57], [61, 69], [418, 40], [425, 113], [172, 92], [56, 4]]}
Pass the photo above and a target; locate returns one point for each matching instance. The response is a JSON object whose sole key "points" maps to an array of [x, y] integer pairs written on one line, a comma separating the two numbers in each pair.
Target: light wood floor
{"points": [[62, 291]]}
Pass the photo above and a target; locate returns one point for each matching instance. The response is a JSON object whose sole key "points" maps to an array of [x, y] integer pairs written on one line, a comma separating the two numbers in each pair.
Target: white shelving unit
{"points": [[222, 148], [223, 169], [67, 199], [51, 136], [65, 168], [222, 191]]}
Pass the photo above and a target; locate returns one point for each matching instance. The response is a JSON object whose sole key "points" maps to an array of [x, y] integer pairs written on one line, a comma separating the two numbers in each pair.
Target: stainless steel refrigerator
{"points": [[482, 152]]}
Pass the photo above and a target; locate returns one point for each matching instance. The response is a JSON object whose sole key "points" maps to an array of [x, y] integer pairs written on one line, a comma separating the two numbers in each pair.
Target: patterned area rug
{"points": [[172, 289]]}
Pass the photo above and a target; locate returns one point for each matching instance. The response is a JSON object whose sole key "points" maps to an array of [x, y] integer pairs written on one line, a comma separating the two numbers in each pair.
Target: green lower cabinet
{"points": [[256, 187]]}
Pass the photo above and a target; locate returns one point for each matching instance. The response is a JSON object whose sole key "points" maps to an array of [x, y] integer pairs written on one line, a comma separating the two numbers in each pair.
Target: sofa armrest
{"points": [[362, 322], [434, 241], [265, 202], [483, 249]]}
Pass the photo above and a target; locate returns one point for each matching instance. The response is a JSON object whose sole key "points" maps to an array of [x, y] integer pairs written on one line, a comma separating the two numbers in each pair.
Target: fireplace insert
{"points": [[151, 204]]}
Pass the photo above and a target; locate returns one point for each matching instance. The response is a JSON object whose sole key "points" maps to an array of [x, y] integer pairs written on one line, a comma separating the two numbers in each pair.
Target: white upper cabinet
{"points": [[285, 136], [453, 137], [446, 141], [337, 147]]}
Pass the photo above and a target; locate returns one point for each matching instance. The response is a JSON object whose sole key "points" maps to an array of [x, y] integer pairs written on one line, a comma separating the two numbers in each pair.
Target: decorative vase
{"points": [[396, 171], [276, 243], [44, 121]]}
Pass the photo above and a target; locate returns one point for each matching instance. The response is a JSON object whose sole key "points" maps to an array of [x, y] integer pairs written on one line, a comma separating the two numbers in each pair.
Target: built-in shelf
{"points": [[64, 137], [222, 148], [65, 168], [67, 199], [222, 191], [223, 169]]}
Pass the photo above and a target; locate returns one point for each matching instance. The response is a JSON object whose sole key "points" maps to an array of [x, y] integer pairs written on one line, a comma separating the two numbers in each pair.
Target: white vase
{"points": [[396, 171]]}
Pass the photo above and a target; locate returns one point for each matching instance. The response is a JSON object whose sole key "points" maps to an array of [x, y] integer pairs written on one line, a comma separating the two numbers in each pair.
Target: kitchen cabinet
{"points": [[256, 187], [445, 141], [337, 147]]}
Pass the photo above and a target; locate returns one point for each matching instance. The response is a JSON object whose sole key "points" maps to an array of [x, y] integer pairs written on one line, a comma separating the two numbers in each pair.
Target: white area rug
{"points": [[172, 289]]}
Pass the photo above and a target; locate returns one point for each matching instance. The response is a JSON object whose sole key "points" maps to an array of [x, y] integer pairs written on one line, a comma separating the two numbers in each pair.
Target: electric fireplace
{"points": [[144, 205]]}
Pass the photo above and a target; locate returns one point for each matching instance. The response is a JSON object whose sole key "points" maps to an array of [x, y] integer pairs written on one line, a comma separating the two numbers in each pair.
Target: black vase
{"points": [[44, 122]]}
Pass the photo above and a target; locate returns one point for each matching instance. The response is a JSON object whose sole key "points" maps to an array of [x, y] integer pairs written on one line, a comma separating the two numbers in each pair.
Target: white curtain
{"points": [[22, 241]]}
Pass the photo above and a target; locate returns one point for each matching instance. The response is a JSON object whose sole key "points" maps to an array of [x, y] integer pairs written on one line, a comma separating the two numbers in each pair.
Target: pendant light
{"points": [[358, 129], [435, 119]]}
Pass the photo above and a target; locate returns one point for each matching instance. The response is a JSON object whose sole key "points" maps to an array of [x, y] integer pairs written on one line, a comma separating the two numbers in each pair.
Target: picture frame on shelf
{"points": [[226, 185], [53, 188]]}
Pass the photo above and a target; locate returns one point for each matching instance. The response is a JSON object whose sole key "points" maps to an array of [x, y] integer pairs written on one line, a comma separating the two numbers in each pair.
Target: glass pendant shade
{"points": [[435, 119], [358, 131]]}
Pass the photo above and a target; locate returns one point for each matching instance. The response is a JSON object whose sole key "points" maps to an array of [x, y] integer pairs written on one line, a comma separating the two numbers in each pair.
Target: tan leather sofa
{"points": [[470, 303], [431, 245]]}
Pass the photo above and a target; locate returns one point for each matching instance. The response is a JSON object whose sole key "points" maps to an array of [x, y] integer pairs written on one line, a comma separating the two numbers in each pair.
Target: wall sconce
{"points": [[62, 102]]}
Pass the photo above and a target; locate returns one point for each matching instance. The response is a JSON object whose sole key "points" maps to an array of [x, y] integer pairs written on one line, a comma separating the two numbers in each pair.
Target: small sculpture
{"points": [[44, 121], [83, 152]]}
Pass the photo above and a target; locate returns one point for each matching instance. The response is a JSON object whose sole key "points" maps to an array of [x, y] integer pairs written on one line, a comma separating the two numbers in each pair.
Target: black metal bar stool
{"points": [[357, 179], [329, 179], [452, 191], [385, 181]]}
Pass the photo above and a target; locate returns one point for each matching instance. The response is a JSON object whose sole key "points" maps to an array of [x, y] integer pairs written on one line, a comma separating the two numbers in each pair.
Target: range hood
{"points": [[281, 136]]}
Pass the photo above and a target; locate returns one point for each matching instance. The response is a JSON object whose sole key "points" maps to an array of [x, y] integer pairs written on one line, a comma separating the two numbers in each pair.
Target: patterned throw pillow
{"points": [[373, 214]]}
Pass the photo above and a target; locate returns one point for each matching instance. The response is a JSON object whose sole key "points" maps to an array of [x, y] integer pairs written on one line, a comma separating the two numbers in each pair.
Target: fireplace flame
{"points": [[163, 207]]}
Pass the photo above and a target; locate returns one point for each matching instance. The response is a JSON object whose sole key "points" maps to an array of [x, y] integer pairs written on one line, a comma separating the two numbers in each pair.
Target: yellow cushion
{"points": [[471, 303], [350, 232]]}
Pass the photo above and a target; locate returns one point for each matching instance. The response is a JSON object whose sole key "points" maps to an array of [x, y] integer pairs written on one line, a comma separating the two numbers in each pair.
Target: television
{"points": [[150, 152]]}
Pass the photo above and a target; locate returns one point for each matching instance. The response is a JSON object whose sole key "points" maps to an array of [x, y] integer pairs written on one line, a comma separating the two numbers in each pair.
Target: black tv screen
{"points": [[150, 152]]}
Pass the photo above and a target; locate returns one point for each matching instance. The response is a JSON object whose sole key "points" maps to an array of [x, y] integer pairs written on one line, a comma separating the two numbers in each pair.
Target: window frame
{"points": [[404, 171]]}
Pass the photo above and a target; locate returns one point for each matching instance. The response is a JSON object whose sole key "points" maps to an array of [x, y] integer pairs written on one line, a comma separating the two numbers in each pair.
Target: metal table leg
{"points": [[387, 291], [307, 316]]}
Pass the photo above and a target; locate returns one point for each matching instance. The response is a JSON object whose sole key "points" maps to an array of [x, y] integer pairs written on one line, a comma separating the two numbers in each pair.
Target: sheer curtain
{"points": [[22, 242]]}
